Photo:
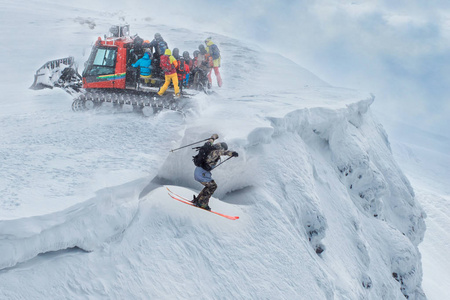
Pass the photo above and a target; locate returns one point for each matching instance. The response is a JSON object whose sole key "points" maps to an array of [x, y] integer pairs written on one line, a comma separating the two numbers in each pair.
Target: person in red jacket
{"points": [[188, 59], [169, 65], [183, 71], [193, 69]]}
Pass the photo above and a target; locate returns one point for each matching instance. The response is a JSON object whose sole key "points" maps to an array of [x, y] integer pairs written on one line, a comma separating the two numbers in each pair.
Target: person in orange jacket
{"points": [[169, 65], [183, 69]]}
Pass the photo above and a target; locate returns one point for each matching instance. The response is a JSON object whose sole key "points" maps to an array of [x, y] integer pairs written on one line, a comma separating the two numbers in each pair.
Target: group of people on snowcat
{"points": [[155, 62]]}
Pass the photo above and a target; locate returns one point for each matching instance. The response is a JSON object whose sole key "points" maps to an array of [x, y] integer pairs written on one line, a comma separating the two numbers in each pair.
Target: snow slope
{"points": [[424, 158], [325, 211]]}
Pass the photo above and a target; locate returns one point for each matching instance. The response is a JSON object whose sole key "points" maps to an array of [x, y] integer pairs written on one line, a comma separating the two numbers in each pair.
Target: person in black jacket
{"points": [[158, 45], [203, 174]]}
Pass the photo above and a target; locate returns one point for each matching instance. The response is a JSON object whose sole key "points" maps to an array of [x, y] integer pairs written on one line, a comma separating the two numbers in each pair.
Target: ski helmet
{"points": [[158, 36], [176, 53], [196, 52], [224, 146], [186, 55], [149, 52], [202, 49]]}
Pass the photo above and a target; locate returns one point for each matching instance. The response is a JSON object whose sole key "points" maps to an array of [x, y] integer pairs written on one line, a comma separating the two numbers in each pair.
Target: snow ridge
{"points": [[356, 148], [85, 225]]}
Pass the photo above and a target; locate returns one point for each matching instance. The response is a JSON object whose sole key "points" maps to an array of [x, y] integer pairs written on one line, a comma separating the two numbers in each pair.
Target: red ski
{"points": [[187, 201]]}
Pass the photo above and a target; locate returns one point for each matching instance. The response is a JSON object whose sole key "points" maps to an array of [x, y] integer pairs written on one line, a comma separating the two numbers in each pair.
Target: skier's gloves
{"points": [[214, 136], [234, 154]]}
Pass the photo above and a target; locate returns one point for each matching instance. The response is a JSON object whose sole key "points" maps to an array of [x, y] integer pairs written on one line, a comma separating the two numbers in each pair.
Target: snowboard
{"points": [[188, 202]]}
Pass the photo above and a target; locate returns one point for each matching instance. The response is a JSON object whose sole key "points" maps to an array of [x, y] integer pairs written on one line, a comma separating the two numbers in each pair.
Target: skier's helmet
{"points": [[176, 53], [186, 55], [158, 36], [149, 52], [224, 145], [196, 52], [202, 49]]}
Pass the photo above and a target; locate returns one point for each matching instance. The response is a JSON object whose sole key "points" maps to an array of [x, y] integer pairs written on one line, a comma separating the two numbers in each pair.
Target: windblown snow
{"points": [[325, 211]]}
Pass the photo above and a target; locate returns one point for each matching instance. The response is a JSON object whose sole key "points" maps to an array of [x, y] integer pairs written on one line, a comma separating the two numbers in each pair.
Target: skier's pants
{"points": [[217, 73], [174, 78], [206, 193]]}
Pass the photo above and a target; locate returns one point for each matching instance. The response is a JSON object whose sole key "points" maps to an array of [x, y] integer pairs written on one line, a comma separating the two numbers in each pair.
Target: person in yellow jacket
{"points": [[169, 65], [214, 51]]}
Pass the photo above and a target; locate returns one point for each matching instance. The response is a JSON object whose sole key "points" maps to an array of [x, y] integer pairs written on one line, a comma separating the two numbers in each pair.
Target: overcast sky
{"points": [[398, 50]]}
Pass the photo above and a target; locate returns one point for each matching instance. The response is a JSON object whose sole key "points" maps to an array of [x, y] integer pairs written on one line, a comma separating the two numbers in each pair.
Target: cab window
{"points": [[103, 62]]}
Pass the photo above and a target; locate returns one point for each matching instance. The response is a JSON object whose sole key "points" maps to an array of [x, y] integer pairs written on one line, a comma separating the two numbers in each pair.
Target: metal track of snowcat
{"points": [[148, 103]]}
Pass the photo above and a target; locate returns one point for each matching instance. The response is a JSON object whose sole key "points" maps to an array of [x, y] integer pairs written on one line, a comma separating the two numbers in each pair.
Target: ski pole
{"points": [[190, 145], [224, 161]]}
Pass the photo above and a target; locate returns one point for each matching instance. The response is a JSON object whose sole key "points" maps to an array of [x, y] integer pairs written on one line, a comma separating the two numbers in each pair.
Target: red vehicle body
{"points": [[108, 62]]}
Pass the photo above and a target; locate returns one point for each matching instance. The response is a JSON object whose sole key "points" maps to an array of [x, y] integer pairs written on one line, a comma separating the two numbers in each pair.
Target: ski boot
{"points": [[202, 206], [205, 206], [195, 201]]}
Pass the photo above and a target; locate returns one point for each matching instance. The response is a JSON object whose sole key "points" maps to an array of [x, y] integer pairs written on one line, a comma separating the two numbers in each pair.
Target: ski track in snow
{"points": [[83, 214]]}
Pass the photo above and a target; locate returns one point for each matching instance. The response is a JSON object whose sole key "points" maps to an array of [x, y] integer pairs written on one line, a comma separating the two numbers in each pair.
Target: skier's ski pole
{"points": [[224, 161], [189, 145]]}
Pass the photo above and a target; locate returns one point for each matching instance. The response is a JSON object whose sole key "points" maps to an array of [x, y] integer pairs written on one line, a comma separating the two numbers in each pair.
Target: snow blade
{"points": [[57, 73], [187, 201]]}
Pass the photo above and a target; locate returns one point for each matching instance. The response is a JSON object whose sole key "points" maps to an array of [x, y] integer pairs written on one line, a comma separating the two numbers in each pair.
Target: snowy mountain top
{"points": [[325, 211]]}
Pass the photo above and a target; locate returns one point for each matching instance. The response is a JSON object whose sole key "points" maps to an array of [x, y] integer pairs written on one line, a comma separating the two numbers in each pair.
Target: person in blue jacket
{"points": [[145, 64]]}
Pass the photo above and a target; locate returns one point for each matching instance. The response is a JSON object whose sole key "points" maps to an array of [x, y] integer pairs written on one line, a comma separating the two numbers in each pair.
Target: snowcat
{"points": [[109, 77]]}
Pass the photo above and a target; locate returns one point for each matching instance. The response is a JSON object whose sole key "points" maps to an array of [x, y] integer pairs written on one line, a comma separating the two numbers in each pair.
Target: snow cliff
{"points": [[323, 208]]}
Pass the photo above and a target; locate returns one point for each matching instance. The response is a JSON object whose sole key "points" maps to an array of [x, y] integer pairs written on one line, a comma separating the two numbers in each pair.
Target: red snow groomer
{"points": [[109, 77]]}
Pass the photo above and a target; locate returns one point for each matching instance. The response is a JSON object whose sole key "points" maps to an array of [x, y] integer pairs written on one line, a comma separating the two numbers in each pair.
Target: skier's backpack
{"points": [[181, 66], [215, 52], [203, 152], [138, 41], [165, 64], [137, 46], [162, 46]]}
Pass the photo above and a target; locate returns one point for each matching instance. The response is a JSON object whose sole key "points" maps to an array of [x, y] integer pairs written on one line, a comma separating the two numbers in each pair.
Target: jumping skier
{"points": [[206, 160]]}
